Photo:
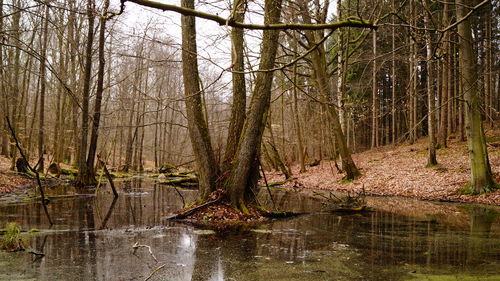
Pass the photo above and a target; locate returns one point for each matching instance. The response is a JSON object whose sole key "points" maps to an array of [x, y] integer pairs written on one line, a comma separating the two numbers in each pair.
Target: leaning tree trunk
{"points": [[318, 58], [206, 165], [238, 109], [240, 175], [481, 175]]}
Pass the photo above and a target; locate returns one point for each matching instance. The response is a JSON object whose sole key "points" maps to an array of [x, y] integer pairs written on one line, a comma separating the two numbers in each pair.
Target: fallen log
{"points": [[179, 180], [191, 211]]}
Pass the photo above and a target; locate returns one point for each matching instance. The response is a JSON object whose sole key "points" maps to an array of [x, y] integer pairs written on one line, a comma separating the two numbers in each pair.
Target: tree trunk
{"points": [[98, 96], [240, 175], [43, 85], [318, 58], [375, 133], [296, 118], [84, 176], [206, 165], [481, 175], [238, 109], [431, 160], [4, 139], [445, 96], [489, 69], [342, 56], [393, 86]]}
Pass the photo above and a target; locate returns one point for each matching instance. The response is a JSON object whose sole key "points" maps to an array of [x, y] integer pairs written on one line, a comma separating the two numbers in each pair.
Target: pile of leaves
{"points": [[223, 212], [10, 180], [216, 210]]}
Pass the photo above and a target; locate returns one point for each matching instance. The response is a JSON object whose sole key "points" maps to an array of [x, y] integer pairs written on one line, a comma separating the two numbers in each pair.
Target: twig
{"points": [[267, 185], [37, 254], [182, 197], [154, 271], [137, 245], [108, 175], [42, 193]]}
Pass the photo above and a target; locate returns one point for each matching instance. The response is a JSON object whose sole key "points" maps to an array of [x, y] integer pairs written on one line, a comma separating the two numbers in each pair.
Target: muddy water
{"points": [[401, 239]]}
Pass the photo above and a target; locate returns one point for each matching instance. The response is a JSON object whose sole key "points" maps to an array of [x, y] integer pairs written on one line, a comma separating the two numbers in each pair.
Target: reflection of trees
{"points": [[225, 256], [375, 241], [481, 220]]}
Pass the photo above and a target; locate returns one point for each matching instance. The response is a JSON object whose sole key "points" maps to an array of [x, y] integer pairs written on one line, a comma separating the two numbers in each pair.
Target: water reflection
{"points": [[94, 236]]}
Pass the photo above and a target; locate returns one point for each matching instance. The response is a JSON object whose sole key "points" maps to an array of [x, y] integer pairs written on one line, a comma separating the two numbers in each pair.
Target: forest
{"points": [[239, 100]]}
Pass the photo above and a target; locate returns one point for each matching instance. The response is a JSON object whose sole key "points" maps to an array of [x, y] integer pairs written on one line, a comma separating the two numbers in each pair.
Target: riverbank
{"points": [[401, 171]]}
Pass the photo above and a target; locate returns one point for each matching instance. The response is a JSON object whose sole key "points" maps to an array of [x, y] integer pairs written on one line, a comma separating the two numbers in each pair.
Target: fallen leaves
{"points": [[401, 171]]}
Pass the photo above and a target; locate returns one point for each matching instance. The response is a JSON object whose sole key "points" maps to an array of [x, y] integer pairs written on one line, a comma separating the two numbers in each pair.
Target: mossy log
{"points": [[179, 180], [180, 174], [277, 183], [167, 168], [68, 172]]}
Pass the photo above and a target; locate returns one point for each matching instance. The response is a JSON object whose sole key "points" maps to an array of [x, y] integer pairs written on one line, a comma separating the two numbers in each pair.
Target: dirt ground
{"points": [[400, 171]]}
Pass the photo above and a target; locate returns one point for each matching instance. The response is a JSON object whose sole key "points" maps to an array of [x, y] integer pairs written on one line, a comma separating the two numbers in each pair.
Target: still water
{"points": [[401, 239]]}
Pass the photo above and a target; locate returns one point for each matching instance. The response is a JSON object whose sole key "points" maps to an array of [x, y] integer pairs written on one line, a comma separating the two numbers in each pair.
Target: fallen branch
{"points": [[278, 183], [37, 254], [154, 271], [108, 175], [267, 185], [180, 180], [191, 211], [137, 246], [33, 170]]}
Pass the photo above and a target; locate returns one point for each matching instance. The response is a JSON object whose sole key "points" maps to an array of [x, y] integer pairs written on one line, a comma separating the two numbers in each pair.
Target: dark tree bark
{"points": [[84, 175], [98, 96], [481, 175], [240, 175], [238, 109], [206, 166], [431, 96]]}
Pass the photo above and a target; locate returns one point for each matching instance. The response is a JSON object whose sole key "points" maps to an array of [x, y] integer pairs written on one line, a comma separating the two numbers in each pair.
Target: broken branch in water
{"points": [[154, 271], [137, 245], [108, 175], [267, 185], [37, 254]]}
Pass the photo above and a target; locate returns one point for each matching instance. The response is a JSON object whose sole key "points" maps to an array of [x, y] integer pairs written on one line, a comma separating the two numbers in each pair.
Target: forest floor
{"points": [[401, 171], [10, 180], [386, 171]]}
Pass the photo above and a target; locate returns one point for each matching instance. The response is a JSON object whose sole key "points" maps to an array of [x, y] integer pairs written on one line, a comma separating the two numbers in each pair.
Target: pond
{"points": [[401, 239]]}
